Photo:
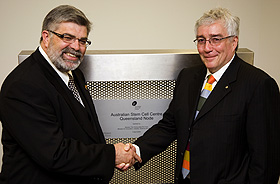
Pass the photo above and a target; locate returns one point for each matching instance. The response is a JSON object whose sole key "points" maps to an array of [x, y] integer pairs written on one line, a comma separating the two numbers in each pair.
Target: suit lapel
{"points": [[222, 88], [88, 103], [78, 110], [192, 84], [194, 95]]}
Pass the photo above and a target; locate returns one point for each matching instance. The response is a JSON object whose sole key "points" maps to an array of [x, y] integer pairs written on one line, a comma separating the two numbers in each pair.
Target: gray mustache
{"points": [[72, 51]]}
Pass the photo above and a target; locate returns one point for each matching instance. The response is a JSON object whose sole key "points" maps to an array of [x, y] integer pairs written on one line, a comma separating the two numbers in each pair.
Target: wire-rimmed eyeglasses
{"points": [[67, 38], [213, 41]]}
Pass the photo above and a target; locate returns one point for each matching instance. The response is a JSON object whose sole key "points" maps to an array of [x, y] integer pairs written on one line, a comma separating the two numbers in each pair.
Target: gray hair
{"points": [[65, 13], [230, 22]]}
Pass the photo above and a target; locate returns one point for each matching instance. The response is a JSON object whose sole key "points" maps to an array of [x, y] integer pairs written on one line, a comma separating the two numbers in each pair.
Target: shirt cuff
{"points": [[137, 150]]}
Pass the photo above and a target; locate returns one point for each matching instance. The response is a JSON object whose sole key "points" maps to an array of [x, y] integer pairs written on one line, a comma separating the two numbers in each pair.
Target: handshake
{"points": [[126, 156]]}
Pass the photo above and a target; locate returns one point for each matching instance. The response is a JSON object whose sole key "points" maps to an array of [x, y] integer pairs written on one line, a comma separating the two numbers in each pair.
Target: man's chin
{"points": [[73, 67], [66, 67], [72, 64]]}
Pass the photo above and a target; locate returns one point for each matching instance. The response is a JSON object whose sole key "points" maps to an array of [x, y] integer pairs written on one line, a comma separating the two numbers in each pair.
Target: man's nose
{"points": [[75, 45], [208, 46]]}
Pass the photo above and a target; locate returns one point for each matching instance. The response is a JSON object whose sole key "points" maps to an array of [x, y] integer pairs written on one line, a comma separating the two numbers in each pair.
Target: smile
{"points": [[71, 55], [210, 57]]}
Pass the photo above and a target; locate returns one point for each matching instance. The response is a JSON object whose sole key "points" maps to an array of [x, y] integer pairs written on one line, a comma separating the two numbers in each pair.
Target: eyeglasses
{"points": [[67, 38], [214, 41]]}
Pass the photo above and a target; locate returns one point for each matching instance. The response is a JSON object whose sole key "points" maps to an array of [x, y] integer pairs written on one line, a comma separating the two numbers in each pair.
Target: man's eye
{"points": [[82, 42], [67, 38], [215, 40], [200, 40]]}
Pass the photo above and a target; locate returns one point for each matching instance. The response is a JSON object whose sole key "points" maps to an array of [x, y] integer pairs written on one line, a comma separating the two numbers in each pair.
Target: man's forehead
{"points": [[209, 35], [211, 30], [72, 28]]}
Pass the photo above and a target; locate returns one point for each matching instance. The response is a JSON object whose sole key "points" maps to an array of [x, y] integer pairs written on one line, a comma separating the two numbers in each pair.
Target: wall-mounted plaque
{"points": [[129, 118]]}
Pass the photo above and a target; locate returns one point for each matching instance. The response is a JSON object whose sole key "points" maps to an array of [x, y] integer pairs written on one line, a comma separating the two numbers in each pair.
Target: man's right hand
{"points": [[125, 156]]}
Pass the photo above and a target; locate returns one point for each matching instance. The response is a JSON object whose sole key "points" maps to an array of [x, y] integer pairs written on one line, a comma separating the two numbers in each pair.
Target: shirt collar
{"points": [[218, 74], [62, 75]]}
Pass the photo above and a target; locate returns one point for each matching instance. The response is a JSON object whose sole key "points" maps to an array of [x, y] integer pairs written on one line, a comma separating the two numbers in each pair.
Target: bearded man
{"points": [[51, 132]]}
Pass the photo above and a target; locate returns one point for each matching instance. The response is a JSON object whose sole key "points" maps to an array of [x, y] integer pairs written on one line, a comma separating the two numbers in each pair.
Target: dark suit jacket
{"points": [[48, 136], [235, 137]]}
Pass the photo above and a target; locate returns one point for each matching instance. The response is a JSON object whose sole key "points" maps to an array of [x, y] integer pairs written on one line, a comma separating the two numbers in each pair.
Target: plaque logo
{"points": [[134, 103]]}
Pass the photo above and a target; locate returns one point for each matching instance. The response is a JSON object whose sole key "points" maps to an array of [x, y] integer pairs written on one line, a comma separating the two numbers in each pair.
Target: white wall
{"points": [[145, 24]]}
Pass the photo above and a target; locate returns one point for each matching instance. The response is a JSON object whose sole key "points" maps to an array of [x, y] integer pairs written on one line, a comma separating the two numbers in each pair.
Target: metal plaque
{"points": [[129, 118]]}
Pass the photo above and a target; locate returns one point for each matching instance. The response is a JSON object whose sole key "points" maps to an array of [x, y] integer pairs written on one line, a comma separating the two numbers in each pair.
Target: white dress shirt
{"points": [[64, 76]]}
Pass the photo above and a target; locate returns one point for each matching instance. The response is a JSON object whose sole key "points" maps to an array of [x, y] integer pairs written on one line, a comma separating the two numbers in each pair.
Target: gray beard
{"points": [[60, 63]]}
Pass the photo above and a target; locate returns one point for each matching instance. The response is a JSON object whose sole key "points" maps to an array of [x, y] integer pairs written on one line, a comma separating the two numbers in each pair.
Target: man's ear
{"points": [[235, 42], [46, 38]]}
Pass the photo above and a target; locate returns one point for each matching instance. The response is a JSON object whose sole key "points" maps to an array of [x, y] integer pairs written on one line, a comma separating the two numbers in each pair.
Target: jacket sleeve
{"points": [[156, 139], [28, 113], [263, 127]]}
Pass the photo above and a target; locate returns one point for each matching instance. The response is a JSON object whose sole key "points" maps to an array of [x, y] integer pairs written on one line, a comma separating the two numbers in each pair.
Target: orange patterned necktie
{"points": [[203, 96]]}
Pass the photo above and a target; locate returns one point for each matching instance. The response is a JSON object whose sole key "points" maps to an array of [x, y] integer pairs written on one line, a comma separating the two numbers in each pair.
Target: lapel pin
{"points": [[226, 87]]}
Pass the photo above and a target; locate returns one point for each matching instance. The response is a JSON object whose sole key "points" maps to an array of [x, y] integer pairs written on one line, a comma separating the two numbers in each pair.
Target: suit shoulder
{"points": [[253, 77], [193, 69], [251, 71], [27, 73]]}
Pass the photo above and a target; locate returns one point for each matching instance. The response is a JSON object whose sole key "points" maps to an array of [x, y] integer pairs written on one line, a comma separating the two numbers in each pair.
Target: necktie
{"points": [[205, 93], [72, 87], [203, 96]]}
